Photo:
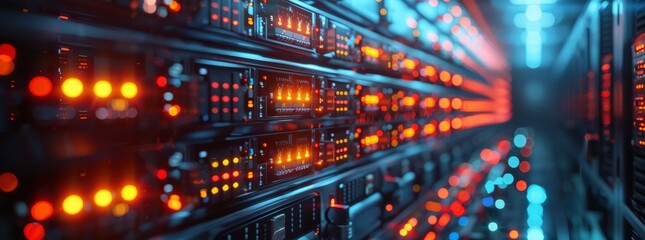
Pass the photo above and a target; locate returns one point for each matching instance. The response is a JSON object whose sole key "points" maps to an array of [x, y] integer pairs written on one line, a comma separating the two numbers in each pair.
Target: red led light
{"points": [[162, 174], [444, 219], [453, 180], [225, 85], [34, 231], [214, 98], [8, 182], [215, 85], [215, 178], [162, 81], [389, 207], [226, 99], [8, 50], [525, 166], [520, 185], [40, 86]]}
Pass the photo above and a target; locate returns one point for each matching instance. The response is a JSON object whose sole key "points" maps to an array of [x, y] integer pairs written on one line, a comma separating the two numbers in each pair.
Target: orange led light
{"points": [[444, 126], [42, 210], [513, 234], [174, 202], [174, 110], [443, 193], [444, 103], [40, 86]]}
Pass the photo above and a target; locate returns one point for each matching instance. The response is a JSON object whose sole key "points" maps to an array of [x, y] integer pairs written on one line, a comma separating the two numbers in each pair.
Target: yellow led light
{"points": [[72, 204], [129, 90], [102, 89], [72, 87], [129, 192], [103, 198]]}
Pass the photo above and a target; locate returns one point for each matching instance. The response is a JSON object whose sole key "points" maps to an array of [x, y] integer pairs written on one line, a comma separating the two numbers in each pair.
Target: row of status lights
{"points": [[41, 86], [71, 205]]}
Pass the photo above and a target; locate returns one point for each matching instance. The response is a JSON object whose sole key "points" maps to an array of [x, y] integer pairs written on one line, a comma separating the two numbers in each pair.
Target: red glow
{"points": [[504, 145], [215, 178], [453, 180], [444, 219], [40, 86], [8, 182], [433, 206], [457, 209], [42, 210], [162, 81], [432, 220], [8, 50], [389, 207], [463, 196], [226, 176], [236, 173], [34, 231], [526, 151], [430, 235], [162, 174], [525, 166], [520, 185]]}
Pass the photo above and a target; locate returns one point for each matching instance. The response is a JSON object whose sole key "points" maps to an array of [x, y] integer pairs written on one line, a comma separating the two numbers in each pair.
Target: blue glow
{"points": [[519, 140], [535, 209], [534, 222], [500, 204], [453, 236], [488, 201], [499, 181], [463, 221], [525, 2], [533, 48], [508, 178], [533, 13], [492, 226], [536, 194], [168, 96], [535, 234], [489, 186], [513, 162]]}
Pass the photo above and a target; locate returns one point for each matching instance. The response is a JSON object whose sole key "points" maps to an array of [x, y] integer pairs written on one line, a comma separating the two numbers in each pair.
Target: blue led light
{"points": [[534, 221], [453, 236], [536, 194], [492, 226], [488, 201], [534, 209], [513, 162], [519, 140], [463, 221], [500, 204], [489, 186], [508, 178], [535, 234]]}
